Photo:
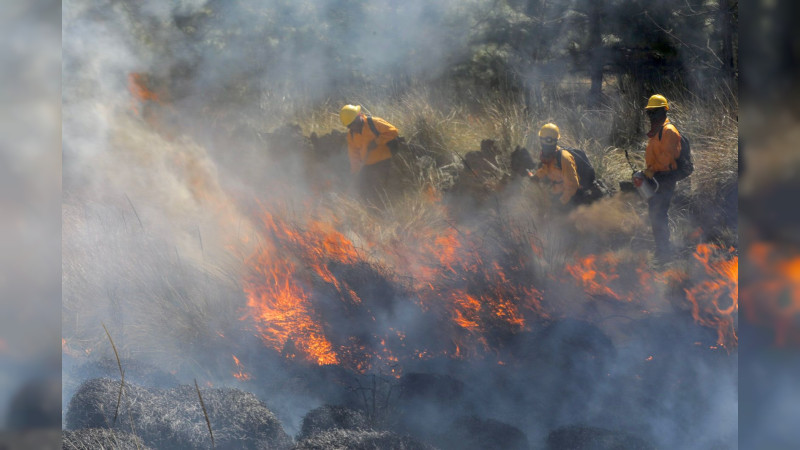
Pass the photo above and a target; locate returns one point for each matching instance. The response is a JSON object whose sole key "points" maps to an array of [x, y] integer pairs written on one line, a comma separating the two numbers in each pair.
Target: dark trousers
{"points": [[658, 208], [372, 181]]}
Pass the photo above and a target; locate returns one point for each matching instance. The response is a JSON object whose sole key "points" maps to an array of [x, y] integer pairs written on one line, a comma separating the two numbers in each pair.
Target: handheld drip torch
{"points": [[646, 187]]}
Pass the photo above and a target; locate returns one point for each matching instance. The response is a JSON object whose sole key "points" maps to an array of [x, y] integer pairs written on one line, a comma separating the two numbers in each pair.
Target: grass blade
{"points": [[205, 413]]}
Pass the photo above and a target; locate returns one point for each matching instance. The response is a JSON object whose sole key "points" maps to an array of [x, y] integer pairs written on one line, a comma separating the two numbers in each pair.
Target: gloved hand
{"points": [[371, 146], [394, 145], [649, 173]]}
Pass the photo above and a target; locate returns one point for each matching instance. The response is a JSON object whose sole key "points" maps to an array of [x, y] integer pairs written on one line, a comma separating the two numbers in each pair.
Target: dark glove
{"points": [[394, 145]]}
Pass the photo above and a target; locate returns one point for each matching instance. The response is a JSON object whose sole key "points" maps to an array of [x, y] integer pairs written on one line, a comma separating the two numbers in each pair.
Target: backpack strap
{"points": [[660, 132], [372, 126]]}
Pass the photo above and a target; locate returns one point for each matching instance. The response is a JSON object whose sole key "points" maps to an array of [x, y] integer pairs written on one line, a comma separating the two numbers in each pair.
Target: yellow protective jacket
{"points": [[358, 143], [661, 154], [564, 180]]}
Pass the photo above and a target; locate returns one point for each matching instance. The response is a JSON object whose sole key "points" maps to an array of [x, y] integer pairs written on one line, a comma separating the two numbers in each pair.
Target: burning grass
{"points": [[307, 279], [432, 275], [715, 301], [470, 274], [476, 285]]}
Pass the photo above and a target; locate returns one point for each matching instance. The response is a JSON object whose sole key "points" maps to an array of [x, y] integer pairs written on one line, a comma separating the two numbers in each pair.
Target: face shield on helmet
{"points": [[548, 151], [548, 139]]}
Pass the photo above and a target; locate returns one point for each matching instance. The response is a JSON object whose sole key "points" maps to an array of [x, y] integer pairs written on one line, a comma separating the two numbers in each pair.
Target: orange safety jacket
{"points": [[358, 143], [564, 180], [661, 154]]}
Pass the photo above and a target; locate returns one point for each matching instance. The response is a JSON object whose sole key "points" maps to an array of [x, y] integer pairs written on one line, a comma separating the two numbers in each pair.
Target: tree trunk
{"points": [[596, 57], [728, 34]]}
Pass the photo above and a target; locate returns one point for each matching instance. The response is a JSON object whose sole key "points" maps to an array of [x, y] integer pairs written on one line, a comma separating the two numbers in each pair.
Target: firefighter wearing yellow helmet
{"points": [[370, 141], [558, 167], [661, 155]]}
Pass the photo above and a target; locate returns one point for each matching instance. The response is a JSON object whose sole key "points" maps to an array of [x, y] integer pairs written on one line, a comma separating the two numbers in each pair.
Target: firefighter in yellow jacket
{"points": [[661, 155], [563, 180], [370, 141]]}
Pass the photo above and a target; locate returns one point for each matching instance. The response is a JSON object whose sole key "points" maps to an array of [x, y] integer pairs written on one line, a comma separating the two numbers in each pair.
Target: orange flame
{"points": [[595, 273], [137, 85], [279, 304], [321, 242], [600, 277], [448, 277], [140, 92], [715, 301], [772, 297], [282, 309], [474, 295], [240, 374]]}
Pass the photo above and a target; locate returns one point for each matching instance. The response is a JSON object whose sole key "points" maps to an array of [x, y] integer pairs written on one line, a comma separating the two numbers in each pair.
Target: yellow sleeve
{"points": [[356, 159], [386, 131], [569, 175], [650, 154]]}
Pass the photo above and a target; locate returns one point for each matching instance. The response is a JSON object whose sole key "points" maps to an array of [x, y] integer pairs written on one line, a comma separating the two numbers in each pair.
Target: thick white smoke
{"points": [[159, 214]]}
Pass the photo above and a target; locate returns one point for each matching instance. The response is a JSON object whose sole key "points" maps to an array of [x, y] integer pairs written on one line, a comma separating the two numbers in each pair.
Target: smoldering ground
{"points": [[164, 215]]}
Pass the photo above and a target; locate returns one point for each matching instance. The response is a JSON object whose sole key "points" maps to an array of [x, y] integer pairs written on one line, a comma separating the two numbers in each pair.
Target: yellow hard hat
{"points": [[349, 113], [549, 130], [657, 101]]}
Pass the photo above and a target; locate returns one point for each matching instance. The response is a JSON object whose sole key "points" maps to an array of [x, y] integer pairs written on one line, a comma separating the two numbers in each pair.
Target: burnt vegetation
{"points": [[211, 222], [173, 419]]}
